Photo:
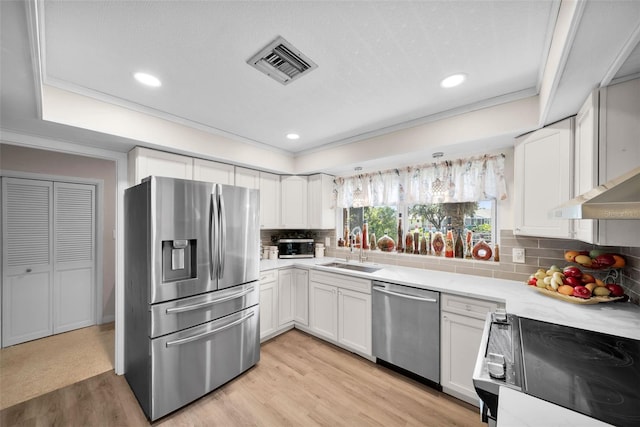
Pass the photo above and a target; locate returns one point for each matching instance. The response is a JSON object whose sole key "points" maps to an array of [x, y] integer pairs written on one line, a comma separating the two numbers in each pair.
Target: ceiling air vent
{"points": [[282, 62]]}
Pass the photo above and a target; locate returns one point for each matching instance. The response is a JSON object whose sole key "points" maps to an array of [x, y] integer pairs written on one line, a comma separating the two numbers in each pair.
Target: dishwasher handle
{"points": [[401, 295]]}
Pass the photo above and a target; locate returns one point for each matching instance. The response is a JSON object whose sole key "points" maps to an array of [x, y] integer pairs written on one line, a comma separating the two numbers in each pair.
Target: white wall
{"points": [[478, 131], [71, 109]]}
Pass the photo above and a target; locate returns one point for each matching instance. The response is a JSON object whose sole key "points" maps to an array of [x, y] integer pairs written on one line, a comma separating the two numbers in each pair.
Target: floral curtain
{"points": [[462, 180]]}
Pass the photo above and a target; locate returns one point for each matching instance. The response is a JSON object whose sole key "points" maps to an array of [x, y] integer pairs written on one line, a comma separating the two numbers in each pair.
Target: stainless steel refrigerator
{"points": [[191, 289]]}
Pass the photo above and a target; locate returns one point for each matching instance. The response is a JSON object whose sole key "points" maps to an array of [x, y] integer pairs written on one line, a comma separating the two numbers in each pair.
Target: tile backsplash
{"points": [[539, 253]]}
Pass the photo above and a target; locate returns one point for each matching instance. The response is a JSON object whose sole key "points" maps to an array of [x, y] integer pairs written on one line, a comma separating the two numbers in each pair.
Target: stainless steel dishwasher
{"points": [[406, 328]]}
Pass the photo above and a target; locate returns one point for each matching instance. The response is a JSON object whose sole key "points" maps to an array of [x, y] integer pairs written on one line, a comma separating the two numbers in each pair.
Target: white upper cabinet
{"points": [[144, 162], [220, 173], [586, 162], [248, 178], [321, 214], [607, 135], [294, 202], [269, 200], [543, 180]]}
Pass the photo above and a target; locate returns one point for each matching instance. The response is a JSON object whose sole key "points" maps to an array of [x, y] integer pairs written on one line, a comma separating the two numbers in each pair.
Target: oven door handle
{"points": [[398, 294], [174, 310], [209, 333]]}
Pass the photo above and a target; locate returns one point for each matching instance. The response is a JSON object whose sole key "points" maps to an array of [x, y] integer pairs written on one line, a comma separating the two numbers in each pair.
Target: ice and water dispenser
{"points": [[179, 260]]}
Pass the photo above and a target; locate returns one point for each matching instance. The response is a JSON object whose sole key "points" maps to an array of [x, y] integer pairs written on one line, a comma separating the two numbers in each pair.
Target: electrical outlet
{"points": [[518, 255]]}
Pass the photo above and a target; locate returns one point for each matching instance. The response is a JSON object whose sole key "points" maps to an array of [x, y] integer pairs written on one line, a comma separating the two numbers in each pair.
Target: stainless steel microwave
{"points": [[295, 248]]}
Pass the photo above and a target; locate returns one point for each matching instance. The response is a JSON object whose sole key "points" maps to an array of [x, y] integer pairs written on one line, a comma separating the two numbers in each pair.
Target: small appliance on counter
{"points": [[273, 252], [588, 372], [295, 248]]}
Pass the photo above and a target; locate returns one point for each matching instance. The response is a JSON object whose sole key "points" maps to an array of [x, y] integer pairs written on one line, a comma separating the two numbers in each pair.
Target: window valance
{"points": [[462, 180]]}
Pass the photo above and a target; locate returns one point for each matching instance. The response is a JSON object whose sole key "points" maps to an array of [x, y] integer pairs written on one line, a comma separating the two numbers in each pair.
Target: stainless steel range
{"points": [[589, 372], [191, 289]]}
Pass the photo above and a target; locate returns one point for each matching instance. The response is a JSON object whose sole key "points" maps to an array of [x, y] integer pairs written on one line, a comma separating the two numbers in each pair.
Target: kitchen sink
{"points": [[356, 267]]}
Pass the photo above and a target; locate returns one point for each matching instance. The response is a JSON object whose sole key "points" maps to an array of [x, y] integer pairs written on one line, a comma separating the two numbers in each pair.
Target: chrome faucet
{"points": [[362, 256]]}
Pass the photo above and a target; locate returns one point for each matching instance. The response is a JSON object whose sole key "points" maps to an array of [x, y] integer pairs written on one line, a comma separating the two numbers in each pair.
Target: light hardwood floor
{"points": [[299, 381], [37, 367]]}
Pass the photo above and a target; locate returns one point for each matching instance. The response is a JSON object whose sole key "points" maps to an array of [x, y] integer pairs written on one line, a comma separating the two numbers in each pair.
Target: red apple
{"points": [[572, 281], [605, 260], [581, 292], [572, 271], [616, 290], [595, 265]]}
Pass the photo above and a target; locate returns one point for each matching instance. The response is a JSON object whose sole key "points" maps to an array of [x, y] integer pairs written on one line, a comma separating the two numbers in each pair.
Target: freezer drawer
{"points": [[190, 363], [184, 313]]}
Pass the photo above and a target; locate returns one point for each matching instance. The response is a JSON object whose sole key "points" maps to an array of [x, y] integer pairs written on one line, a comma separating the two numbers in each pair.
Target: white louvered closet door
{"points": [[27, 248], [74, 256]]}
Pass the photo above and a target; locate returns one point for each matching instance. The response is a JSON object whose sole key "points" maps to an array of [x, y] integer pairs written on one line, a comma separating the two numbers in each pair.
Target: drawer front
{"points": [[468, 306], [184, 313], [268, 276], [341, 281], [190, 363]]}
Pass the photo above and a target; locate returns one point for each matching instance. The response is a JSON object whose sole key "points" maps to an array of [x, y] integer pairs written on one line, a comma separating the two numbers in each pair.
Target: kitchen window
{"points": [[478, 217]]}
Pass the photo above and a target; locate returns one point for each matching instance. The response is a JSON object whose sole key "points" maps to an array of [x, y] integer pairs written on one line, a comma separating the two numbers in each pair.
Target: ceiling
{"points": [[379, 63]]}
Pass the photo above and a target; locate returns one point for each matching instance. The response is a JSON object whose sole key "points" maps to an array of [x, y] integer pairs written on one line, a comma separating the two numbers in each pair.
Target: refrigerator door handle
{"points": [[223, 235], [209, 333], [213, 236], [174, 310]]}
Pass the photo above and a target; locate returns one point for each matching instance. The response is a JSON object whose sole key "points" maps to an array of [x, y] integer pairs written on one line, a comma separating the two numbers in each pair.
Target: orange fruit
{"points": [[619, 261], [565, 289], [587, 278], [570, 256]]}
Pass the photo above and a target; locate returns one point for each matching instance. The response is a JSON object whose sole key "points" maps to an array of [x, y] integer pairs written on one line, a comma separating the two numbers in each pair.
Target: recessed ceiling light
{"points": [[293, 136], [453, 80], [147, 79]]}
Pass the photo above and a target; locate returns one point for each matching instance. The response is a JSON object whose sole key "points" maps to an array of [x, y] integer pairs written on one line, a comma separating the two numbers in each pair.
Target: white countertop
{"points": [[622, 319]]}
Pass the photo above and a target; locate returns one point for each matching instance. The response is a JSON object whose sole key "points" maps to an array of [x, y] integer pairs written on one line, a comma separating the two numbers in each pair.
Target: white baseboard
{"points": [[108, 319]]}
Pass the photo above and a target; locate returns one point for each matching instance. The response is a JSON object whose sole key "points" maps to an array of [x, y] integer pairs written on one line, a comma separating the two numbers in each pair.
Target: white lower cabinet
{"points": [[462, 323], [301, 296], [285, 297], [323, 310], [354, 320], [268, 303], [340, 310], [284, 300]]}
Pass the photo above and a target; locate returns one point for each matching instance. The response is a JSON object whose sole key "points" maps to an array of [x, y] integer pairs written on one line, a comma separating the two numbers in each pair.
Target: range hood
{"points": [[617, 199]]}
